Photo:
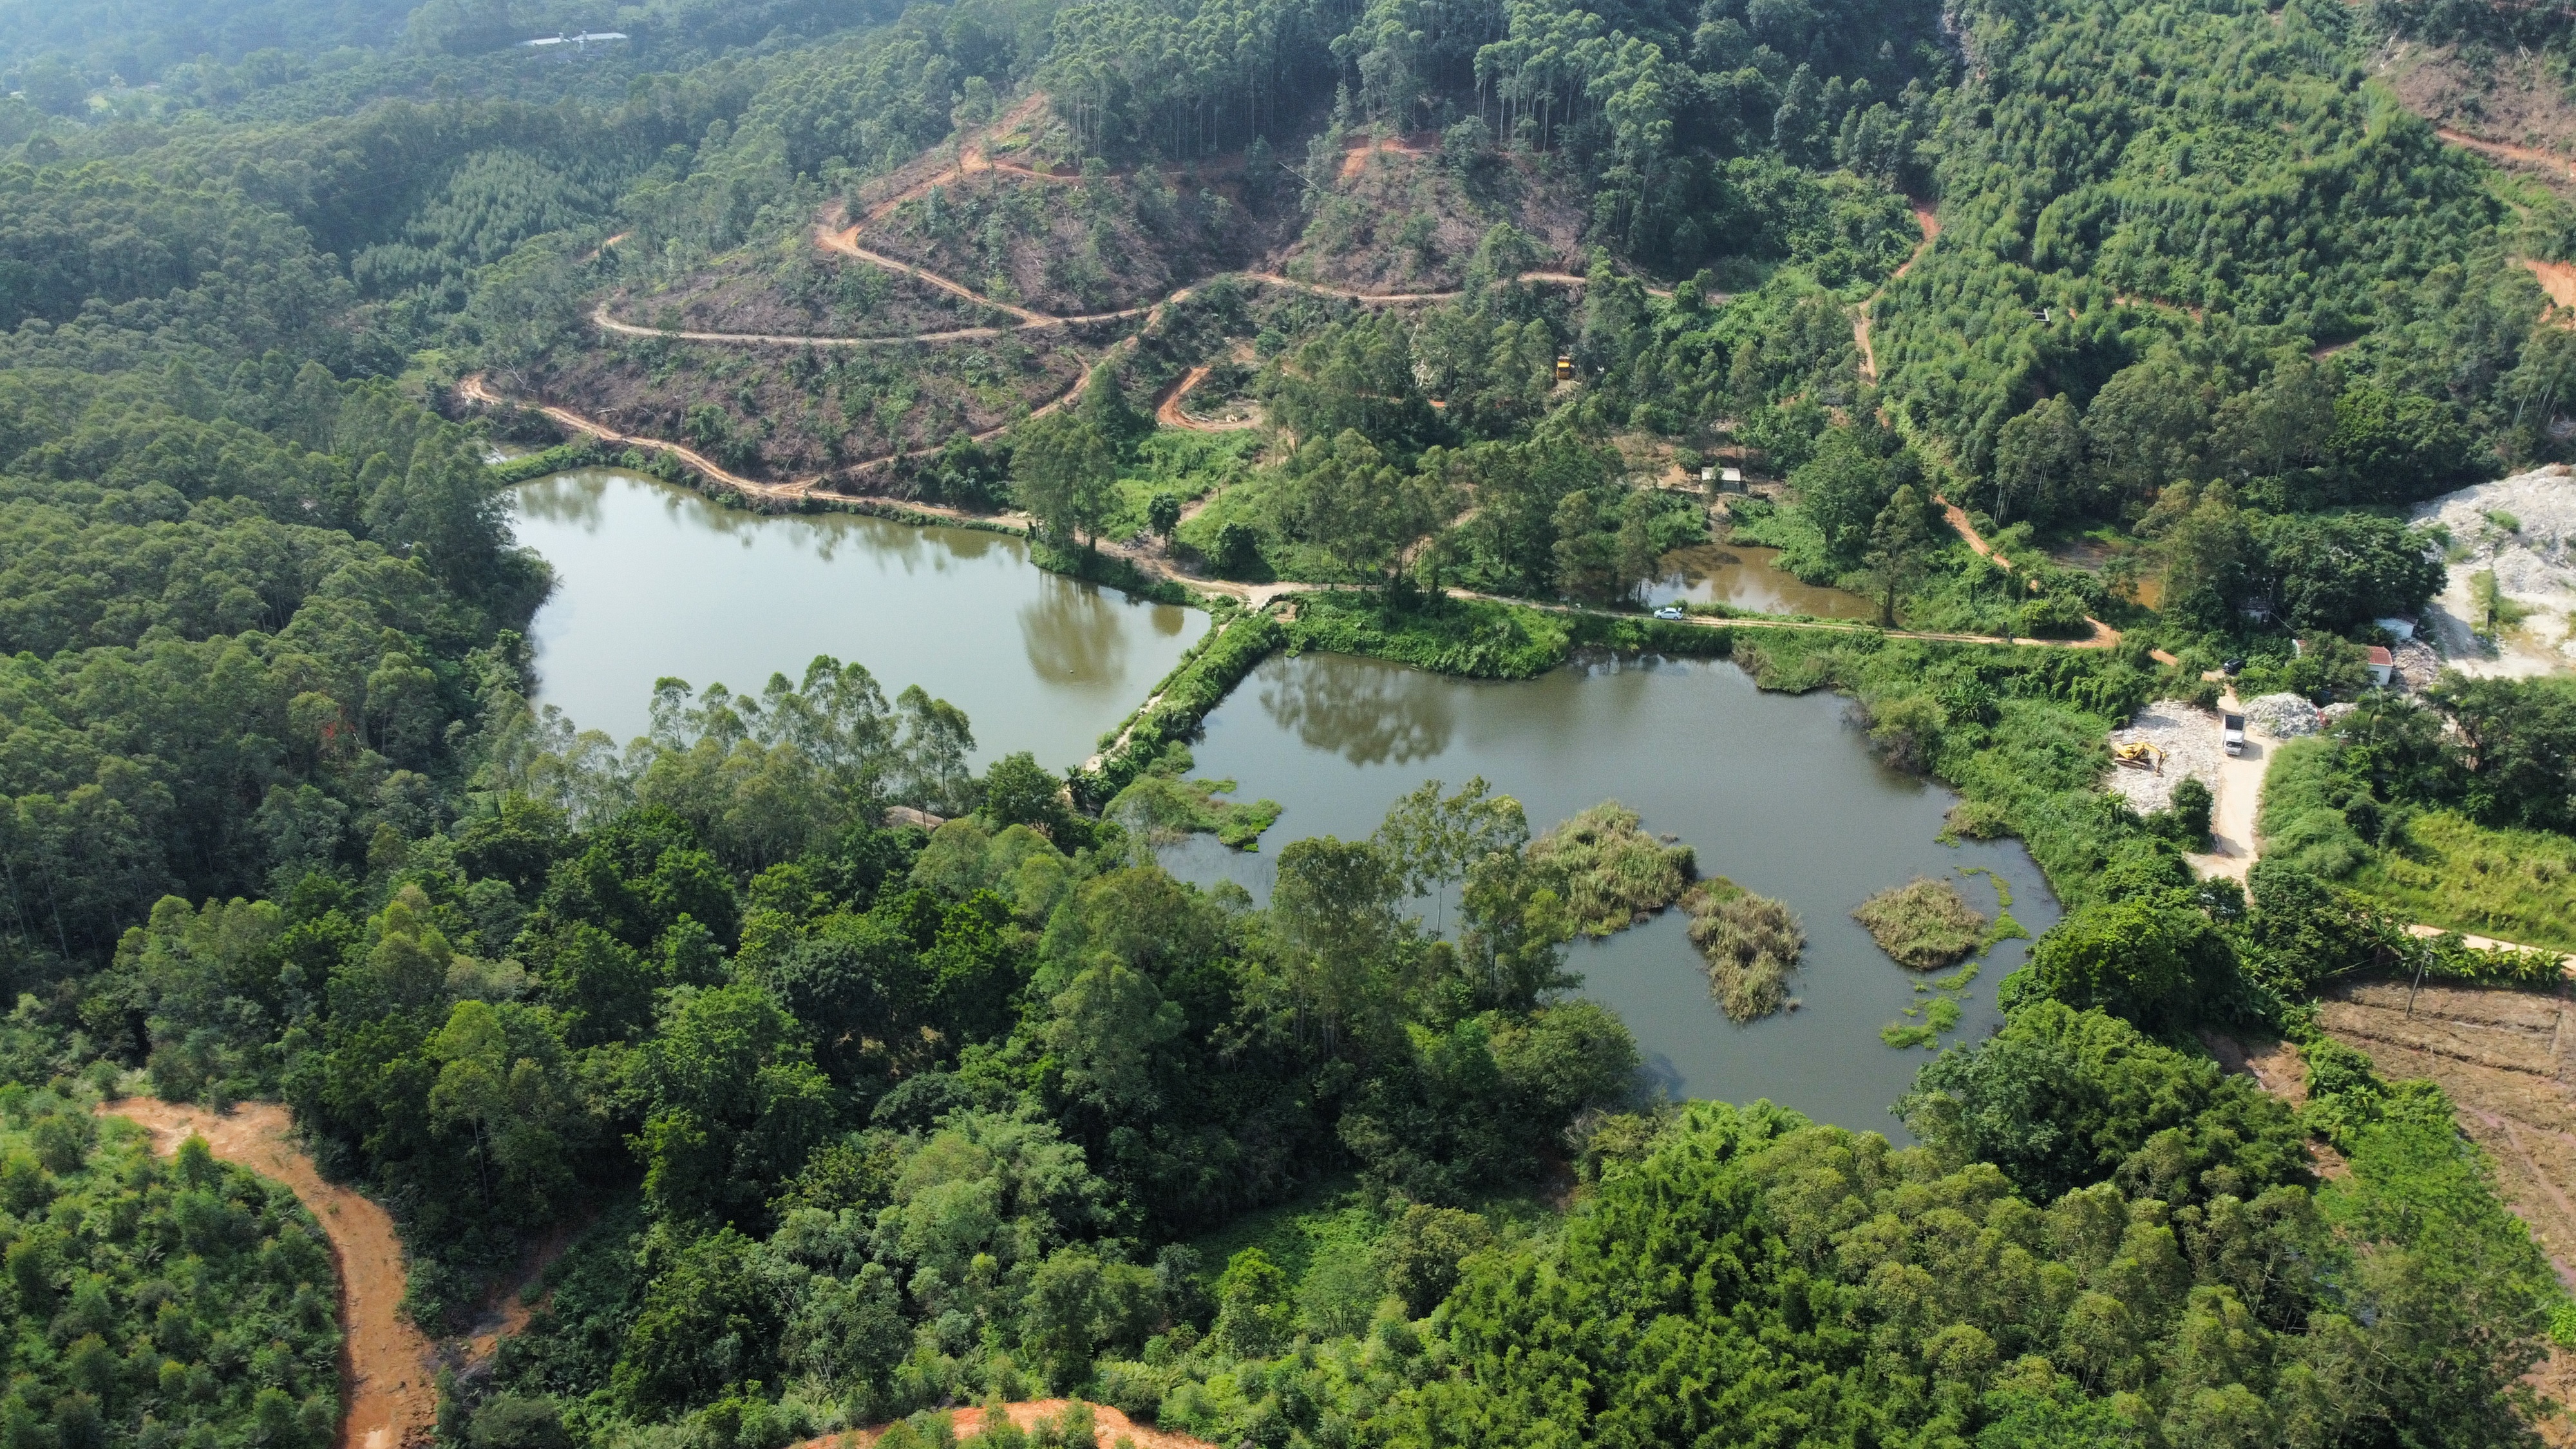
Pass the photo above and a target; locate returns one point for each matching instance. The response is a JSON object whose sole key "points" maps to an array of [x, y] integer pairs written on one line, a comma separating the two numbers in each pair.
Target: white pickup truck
{"points": [[2231, 733]]}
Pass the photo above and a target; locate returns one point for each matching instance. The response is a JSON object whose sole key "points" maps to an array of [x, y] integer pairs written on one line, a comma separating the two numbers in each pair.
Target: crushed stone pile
{"points": [[2417, 664], [2522, 528], [2189, 738], [2284, 716]]}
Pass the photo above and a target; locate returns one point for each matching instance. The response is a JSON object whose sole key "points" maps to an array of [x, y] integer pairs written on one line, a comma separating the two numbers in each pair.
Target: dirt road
{"points": [[1112, 1425], [599, 317], [1931, 226], [389, 1401], [2104, 636], [477, 388], [2558, 279], [1168, 411], [2507, 151], [2231, 815]]}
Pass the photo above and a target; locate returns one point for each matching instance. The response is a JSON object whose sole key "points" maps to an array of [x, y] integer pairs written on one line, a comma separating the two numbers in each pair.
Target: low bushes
{"points": [[1165, 806], [579, 453]]}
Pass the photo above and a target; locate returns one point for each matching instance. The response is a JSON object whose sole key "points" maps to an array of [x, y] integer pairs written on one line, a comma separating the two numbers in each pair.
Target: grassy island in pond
{"points": [[1614, 873], [1751, 944], [1924, 924]]}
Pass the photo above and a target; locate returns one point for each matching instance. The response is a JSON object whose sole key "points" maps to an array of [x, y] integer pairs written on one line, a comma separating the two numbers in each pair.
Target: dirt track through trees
{"points": [[1168, 411], [1931, 226], [2507, 151], [387, 1393], [1112, 1426], [838, 233], [478, 388]]}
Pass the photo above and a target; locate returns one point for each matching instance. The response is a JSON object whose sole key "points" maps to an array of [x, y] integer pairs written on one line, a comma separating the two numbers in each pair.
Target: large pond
{"points": [[653, 580], [1774, 791]]}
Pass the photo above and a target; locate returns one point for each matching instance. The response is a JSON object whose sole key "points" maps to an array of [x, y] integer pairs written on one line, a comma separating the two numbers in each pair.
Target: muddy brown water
{"points": [[1747, 576], [654, 580], [1774, 791]]}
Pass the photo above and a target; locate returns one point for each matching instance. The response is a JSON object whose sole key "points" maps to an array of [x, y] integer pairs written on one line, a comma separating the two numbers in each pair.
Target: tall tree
{"points": [[1065, 473]]}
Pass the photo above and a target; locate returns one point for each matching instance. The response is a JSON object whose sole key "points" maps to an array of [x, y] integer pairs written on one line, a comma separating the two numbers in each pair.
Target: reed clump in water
{"points": [[1751, 944], [1925, 924], [1613, 871]]}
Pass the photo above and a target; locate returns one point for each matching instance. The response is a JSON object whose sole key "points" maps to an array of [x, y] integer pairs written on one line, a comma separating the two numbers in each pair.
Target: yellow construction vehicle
{"points": [[2139, 755]]}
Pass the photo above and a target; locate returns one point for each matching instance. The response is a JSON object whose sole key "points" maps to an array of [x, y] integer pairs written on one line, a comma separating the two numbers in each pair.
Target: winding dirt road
{"points": [[478, 388], [599, 318], [837, 233], [1168, 411], [2507, 151], [2104, 636], [1931, 226], [388, 1396]]}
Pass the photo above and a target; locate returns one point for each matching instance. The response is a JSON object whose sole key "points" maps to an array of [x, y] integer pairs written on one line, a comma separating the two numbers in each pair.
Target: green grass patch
{"points": [[1477, 638], [2003, 887], [563, 457], [1939, 1016], [1613, 872], [1189, 466], [1751, 943], [2490, 608], [1924, 924], [2451, 872]]}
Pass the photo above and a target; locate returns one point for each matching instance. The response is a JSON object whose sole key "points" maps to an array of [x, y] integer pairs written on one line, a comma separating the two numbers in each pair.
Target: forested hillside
{"points": [[835, 1080]]}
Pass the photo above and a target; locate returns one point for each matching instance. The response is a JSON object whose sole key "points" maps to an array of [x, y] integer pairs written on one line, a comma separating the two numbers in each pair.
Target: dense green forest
{"points": [[847, 1120]]}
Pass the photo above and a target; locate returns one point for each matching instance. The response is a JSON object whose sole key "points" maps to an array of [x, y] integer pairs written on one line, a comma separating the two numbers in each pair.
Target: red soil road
{"points": [[846, 242], [2104, 636], [389, 1401], [1169, 414], [2558, 279], [599, 318], [1113, 1426], [1364, 145], [2507, 151], [476, 389]]}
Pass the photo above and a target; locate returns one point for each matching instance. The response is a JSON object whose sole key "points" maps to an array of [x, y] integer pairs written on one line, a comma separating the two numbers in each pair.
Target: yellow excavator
{"points": [[2139, 755]]}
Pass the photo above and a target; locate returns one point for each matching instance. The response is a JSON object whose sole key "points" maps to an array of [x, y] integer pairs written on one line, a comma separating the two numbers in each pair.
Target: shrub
{"points": [[2056, 616]]}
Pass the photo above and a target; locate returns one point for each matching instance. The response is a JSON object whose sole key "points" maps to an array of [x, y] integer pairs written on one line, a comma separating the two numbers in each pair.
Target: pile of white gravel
{"points": [[2523, 528], [2189, 738], [2284, 716]]}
